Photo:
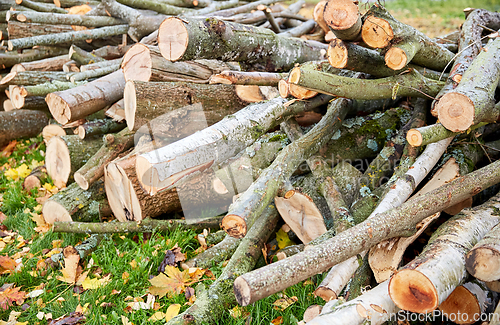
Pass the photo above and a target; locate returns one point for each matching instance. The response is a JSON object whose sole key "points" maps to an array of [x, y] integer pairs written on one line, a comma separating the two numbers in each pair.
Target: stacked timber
{"points": [[253, 118]]}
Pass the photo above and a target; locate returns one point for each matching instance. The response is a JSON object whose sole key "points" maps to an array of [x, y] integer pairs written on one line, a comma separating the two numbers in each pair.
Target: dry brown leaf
{"points": [[9, 149], [2, 217], [171, 282], [10, 295], [70, 269], [7, 265]]}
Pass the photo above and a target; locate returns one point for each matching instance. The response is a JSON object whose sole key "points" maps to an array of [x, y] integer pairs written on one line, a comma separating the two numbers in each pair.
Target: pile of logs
{"points": [[253, 118]]}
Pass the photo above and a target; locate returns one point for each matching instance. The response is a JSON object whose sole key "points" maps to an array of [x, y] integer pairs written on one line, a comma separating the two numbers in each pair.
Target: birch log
{"points": [[483, 260]]}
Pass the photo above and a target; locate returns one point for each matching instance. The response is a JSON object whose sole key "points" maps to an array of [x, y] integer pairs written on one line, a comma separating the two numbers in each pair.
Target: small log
{"points": [[66, 154], [469, 300], [336, 279], [482, 261], [91, 74], [412, 84], [432, 133], [275, 277], [50, 64], [76, 103], [35, 178], [41, 7], [101, 64], [31, 78], [20, 93], [18, 30], [20, 124], [8, 59], [36, 103], [215, 254], [145, 101], [343, 18], [117, 111], [318, 16], [472, 101], [423, 284], [311, 312], [182, 39], [75, 204], [62, 19], [300, 30], [53, 130], [113, 146], [83, 57], [98, 127], [248, 78], [97, 33]]}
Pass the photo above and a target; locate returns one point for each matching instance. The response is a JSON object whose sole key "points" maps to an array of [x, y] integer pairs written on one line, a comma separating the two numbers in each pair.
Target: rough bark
{"points": [[482, 261], [98, 127], [432, 133], [31, 78], [145, 101], [247, 78], [49, 64], [18, 94], [412, 84], [62, 19], [343, 18], [75, 204], [215, 144], [21, 123], [66, 154], [472, 101], [275, 277], [215, 39], [428, 280], [102, 64], [54, 39], [8, 59], [215, 254], [76, 103]]}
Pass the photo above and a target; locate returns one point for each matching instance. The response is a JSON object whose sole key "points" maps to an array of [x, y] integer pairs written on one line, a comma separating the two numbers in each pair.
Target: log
{"points": [[482, 261], [76, 103], [433, 133], [53, 130], [215, 254], [102, 64], [35, 178], [19, 94], [210, 146], [31, 78], [21, 124], [472, 101], [275, 277], [145, 63], [36, 103], [62, 19], [145, 101], [83, 57], [8, 59], [318, 16], [113, 146], [50, 64], [117, 111], [412, 84], [343, 18], [75, 204], [18, 30], [66, 154], [247, 78], [92, 74], [423, 284], [215, 39], [300, 30], [40, 7], [98, 127], [97, 33]]}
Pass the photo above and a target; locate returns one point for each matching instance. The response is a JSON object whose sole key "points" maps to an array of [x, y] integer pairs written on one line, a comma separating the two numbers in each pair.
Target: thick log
{"points": [[472, 101], [93, 169], [19, 30], [163, 167], [482, 261], [21, 123], [343, 18], [66, 154], [8, 59], [145, 63], [247, 78], [247, 208], [275, 277], [75, 204], [411, 84], [76, 103], [428, 280], [145, 101], [97, 33], [215, 39], [50, 64], [18, 94]]}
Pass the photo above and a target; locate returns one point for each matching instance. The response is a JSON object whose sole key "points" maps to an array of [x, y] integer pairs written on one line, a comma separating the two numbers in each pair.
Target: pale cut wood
{"points": [[336, 279], [318, 16], [52, 130], [311, 312], [344, 19], [117, 111], [376, 32]]}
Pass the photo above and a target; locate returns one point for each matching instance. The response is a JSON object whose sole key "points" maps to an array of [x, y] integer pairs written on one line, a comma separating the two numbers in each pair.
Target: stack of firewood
{"points": [[246, 111]]}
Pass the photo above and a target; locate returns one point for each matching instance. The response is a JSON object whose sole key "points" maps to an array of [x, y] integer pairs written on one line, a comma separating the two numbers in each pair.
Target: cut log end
{"points": [[376, 32], [8, 78], [235, 226], [283, 88], [341, 14], [81, 181], [461, 302], [130, 103], [16, 96], [146, 175], [337, 54], [294, 76], [58, 161], [484, 263], [249, 93], [53, 211], [173, 38], [137, 63], [219, 79], [396, 58], [52, 130], [242, 292], [325, 293], [318, 16], [312, 312], [59, 109], [414, 138], [301, 92], [455, 111], [411, 290]]}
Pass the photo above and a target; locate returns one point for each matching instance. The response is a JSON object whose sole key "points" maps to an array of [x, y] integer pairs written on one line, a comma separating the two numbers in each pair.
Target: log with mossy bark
{"points": [[423, 284], [412, 84], [66, 154], [50, 64], [247, 78], [145, 63], [406, 44], [472, 101], [215, 254], [210, 38], [83, 57], [37, 6], [101, 64], [54, 39], [76, 103], [62, 19], [343, 18], [32, 78], [98, 127], [275, 277], [94, 73], [166, 166], [213, 301], [482, 261], [8, 59], [145, 101], [18, 94], [20, 124], [75, 204]]}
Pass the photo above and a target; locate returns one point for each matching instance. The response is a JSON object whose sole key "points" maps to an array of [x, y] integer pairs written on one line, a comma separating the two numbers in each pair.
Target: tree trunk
{"points": [[76, 103], [32, 78], [21, 123], [215, 39], [483, 260]]}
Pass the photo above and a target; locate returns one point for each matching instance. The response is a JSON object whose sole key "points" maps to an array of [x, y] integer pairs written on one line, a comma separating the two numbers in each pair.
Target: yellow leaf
{"points": [[125, 321], [95, 283], [284, 303], [278, 320], [157, 316], [11, 174], [50, 188], [173, 282], [133, 264], [125, 277], [23, 171], [239, 312], [172, 311], [70, 268], [283, 239]]}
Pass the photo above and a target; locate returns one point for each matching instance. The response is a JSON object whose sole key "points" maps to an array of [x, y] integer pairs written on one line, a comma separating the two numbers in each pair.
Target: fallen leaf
{"points": [[172, 311], [72, 319], [169, 259], [239, 312], [11, 295], [285, 302], [2, 217], [278, 320], [41, 225], [70, 269], [35, 293], [9, 149], [171, 282], [125, 277], [125, 321], [157, 316], [7, 265], [95, 283], [283, 239]]}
